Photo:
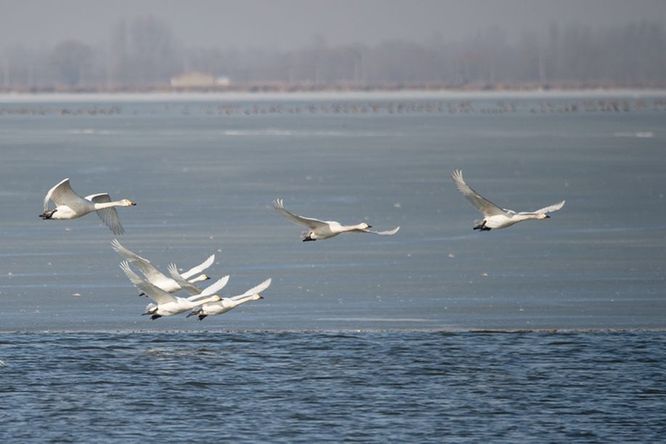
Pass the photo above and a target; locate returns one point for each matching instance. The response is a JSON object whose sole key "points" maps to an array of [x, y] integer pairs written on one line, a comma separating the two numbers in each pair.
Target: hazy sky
{"points": [[286, 24]]}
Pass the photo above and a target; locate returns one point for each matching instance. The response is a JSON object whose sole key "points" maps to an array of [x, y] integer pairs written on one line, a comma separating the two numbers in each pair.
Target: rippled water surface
{"points": [[316, 387]]}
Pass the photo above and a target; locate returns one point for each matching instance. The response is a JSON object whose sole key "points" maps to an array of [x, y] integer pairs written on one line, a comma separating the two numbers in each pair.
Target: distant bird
{"points": [[226, 304], [494, 216], [165, 304], [158, 279], [319, 229], [70, 205]]}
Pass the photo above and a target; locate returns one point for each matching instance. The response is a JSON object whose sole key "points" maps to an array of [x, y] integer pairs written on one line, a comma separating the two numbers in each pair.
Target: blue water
{"points": [[333, 387], [359, 338]]}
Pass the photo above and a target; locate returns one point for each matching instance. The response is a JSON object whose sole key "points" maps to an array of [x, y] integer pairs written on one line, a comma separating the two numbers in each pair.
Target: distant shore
{"points": [[333, 95]]}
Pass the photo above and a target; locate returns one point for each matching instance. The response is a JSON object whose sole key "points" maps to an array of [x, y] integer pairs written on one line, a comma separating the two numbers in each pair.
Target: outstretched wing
{"points": [[199, 268], [481, 203], [382, 233], [254, 290], [62, 194], [156, 294], [149, 270], [551, 208], [313, 224], [212, 289], [184, 284], [108, 215]]}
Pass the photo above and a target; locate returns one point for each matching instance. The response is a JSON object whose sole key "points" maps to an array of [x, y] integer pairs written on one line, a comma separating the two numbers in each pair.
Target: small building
{"points": [[195, 79]]}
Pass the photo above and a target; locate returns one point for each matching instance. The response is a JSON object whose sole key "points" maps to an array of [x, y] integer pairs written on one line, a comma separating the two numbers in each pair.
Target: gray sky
{"points": [[286, 24]]}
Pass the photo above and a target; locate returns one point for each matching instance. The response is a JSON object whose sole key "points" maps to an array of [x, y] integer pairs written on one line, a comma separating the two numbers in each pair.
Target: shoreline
{"points": [[332, 95]]}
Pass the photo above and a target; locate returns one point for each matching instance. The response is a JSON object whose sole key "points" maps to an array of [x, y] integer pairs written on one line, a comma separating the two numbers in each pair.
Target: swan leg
{"points": [[482, 226], [309, 239], [48, 214], [153, 317], [202, 316]]}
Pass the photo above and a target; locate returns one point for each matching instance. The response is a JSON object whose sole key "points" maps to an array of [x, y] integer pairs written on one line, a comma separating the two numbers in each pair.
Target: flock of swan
{"points": [[201, 303]]}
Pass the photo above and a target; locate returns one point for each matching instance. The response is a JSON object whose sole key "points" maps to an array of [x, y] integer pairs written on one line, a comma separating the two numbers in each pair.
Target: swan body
{"points": [[165, 304], [158, 279], [69, 205], [226, 304], [320, 229], [495, 217]]}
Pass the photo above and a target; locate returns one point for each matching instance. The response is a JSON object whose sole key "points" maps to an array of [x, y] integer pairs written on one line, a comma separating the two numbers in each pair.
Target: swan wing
{"points": [[313, 224], [184, 284], [212, 289], [149, 270], [481, 203], [551, 208], [127, 253], [199, 268], [108, 215], [254, 290], [156, 294], [381, 233], [62, 194]]}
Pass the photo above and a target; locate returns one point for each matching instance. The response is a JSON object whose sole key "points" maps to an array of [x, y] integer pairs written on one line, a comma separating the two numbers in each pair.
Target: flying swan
{"points": [[158, 279], [166, 304], [70, 205], [495, 217], [319, 229], [226, 304]]}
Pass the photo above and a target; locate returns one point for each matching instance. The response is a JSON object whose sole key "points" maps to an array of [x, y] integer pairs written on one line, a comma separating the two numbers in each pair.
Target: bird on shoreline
{"points": [[70, 205], [319, 229], [495, 217]]}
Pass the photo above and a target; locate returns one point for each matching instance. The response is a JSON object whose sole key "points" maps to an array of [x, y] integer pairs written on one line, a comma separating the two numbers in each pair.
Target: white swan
{"points": [[167, 304], [494, 216], [70, 205], [226, 304], [158, 279], [212, 289], [319, 229]]}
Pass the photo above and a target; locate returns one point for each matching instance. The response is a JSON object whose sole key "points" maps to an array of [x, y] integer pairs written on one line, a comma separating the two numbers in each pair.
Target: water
{"points": [[333, 387], [360, 337]]}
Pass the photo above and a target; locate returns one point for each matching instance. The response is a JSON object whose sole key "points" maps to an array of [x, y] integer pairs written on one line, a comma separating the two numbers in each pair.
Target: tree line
{"points": [[143, 53]]}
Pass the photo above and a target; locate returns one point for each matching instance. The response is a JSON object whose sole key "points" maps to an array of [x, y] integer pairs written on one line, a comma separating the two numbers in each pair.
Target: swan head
{"points": [[255, 297], [364, 226], [543, 216], [201, 277], [128, 203]]}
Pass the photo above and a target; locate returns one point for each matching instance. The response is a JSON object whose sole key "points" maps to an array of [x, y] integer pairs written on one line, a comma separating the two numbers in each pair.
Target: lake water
{"points": [[360, 337]]}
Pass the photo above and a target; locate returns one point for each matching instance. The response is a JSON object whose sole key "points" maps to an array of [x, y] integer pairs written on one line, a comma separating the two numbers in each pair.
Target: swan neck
{"points": [[244, 299], [103, 205], [526, 216], [213, 298]]}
